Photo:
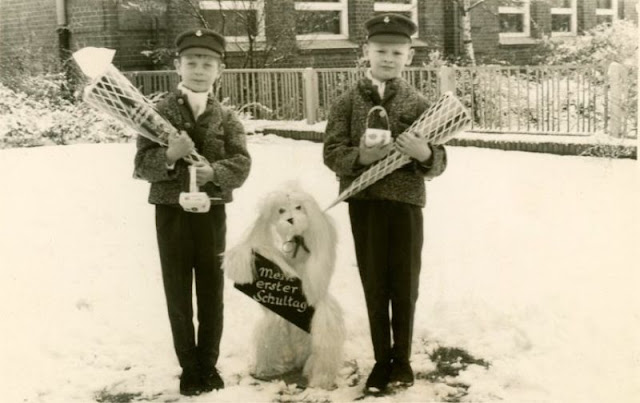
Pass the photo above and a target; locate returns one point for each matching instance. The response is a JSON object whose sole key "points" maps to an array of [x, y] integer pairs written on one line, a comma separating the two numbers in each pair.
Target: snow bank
{"points": [[529, 264]]}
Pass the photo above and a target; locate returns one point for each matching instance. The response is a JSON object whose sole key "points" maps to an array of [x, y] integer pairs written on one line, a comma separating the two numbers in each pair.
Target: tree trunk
{"points": [[466, 32]]}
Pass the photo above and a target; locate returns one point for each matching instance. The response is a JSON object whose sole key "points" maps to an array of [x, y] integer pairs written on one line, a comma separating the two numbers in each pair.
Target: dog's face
{"points": [[289, 215], [290, 221]]}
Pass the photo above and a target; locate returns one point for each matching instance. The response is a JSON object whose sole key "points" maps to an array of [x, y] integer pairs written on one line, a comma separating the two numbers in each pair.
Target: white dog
{"points": [[286, 216]]}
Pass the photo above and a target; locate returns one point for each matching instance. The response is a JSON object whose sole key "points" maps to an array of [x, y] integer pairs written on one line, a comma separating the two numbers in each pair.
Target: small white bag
{"points": [[194, 201], [377, 137]]}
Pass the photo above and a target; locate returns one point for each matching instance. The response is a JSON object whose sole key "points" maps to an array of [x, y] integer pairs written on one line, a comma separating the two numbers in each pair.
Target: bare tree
{"points": [[261, 41], [464, 8]]}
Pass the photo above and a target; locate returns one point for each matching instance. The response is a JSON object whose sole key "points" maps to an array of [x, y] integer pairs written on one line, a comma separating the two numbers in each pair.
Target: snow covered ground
{"points": [[530, 264]]}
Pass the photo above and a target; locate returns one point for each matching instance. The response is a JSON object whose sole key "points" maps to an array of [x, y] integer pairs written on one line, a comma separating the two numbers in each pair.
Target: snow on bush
{"points": [[600, 46], [606, 43], [44, 117]]}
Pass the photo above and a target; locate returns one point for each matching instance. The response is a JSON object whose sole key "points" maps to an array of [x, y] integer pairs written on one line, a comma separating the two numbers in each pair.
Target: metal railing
{"points": [[566, 99], [541, 99]]}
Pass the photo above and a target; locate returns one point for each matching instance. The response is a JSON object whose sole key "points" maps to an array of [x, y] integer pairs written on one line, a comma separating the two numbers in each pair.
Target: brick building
{"points": [[291, 33]]}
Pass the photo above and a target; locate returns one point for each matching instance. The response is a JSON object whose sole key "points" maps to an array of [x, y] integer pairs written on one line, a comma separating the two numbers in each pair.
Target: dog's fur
{"points": [[282, 347]]}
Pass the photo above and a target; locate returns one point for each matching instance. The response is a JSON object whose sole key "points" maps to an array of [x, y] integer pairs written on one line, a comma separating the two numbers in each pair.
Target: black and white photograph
{"points": [[319, 201]]}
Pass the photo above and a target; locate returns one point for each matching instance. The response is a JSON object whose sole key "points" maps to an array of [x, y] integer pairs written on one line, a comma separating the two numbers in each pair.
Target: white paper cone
{"points": [[93, 61]]}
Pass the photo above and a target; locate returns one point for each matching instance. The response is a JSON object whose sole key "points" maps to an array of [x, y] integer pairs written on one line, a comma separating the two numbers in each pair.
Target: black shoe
{"points": [[401, 374], [211, 380], [378, 379], [190, 382]]}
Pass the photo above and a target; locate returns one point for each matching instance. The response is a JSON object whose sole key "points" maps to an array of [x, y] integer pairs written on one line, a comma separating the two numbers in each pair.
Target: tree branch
{"points": [[195, 11], [476, 4]]}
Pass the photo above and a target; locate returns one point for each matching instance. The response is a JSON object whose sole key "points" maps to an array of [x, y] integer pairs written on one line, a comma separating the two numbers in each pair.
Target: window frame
{"points": [[387, 7], [613, 11], [224, 5], [341, 5], [525, 10], [573, 11]]}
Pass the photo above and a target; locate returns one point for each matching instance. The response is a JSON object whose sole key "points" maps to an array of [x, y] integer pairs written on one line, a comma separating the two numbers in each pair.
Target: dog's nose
{"points": [[290, 220]]}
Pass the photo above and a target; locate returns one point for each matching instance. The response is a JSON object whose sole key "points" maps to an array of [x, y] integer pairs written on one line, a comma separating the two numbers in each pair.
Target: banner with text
{"points": [[281, 294]]}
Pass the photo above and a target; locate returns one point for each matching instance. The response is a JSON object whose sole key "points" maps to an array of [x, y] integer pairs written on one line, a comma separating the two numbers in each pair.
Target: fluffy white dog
{"points": [[293, 232]]}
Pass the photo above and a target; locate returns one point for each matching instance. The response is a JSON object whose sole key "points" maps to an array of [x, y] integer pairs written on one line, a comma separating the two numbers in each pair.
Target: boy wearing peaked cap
{"points": [[190, 244], [386, 218]]}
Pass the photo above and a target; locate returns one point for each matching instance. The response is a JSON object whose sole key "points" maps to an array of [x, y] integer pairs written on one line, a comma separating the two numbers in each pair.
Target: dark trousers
{"points": [[388, 239], [190, 244]]}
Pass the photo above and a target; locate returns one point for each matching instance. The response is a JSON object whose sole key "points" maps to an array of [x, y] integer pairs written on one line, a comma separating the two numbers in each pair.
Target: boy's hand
{"points": [[369, 155], [180, 145], [204, 173], [413, 146]]}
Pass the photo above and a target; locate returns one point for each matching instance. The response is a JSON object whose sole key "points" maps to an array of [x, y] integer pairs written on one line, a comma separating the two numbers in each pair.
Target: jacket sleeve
{"points": [[339, 154], [436, 164], [150, 161], [231, 172]]}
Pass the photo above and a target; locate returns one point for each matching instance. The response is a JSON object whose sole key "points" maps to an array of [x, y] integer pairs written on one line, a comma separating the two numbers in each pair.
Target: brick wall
{"points": [[32, 24], [359, 12], [586, 15], [629, 10], [432, 23], [484, 31], [103, 23], [540, 18], [178, 19], [28, 33]]}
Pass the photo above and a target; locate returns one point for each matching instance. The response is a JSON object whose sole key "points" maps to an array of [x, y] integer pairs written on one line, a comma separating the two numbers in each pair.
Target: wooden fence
{"points": [[565, 99]]}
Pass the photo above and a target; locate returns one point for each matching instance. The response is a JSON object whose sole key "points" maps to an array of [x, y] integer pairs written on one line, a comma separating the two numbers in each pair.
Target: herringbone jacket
{"points": [[218, 136], [346, 124]]}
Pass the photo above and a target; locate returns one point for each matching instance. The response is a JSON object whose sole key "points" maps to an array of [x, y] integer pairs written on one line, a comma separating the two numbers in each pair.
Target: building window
{"points": [[515, 20], [564, 17], [236, 20], [325, 19], [606, 11], [408, 8]]}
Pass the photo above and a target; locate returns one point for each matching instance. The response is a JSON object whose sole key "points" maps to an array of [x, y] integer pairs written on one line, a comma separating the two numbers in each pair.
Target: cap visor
{"points": [[389, 38], [197, 51]]}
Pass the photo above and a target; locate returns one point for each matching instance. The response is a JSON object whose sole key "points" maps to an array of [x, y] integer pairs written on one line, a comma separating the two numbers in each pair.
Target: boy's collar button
{"points": [[181, 101]]}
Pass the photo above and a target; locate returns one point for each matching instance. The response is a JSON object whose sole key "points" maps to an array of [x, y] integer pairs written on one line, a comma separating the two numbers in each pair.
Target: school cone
{"points": [[446, 118], [111, 92]]}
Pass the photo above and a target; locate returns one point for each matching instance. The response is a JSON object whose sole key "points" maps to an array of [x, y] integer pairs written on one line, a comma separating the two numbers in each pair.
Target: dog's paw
{"points": [[320, 376], [237, 264]]}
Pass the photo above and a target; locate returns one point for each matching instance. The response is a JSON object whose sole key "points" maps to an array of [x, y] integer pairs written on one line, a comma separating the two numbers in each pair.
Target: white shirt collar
{"points": [[377, 83], [197, 100]]}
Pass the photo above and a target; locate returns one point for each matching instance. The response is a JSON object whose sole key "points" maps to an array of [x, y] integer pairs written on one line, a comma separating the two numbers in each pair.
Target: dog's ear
{"points": [[260, 232], [321, 238]]}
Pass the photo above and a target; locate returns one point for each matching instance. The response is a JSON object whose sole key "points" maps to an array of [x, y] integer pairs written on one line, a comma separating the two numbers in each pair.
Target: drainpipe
{"points": [[64, 47], [64, 35]]}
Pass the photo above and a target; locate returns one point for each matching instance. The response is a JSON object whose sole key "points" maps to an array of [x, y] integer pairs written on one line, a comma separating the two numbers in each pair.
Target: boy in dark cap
{"points": [[386, 218], [191, 243]]}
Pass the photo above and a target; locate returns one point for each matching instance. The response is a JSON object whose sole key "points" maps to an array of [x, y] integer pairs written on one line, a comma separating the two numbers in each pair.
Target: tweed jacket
{"points": [[218, 136], [347, 123]]}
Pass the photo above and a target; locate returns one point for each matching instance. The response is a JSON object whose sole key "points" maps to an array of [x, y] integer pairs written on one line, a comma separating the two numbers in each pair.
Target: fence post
{"points": [[618, 87], [310, 95], [447, 79]]}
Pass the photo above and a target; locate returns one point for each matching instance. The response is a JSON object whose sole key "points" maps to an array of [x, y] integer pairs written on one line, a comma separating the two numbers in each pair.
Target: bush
{"points": [[40, 118], [606, 43]]}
